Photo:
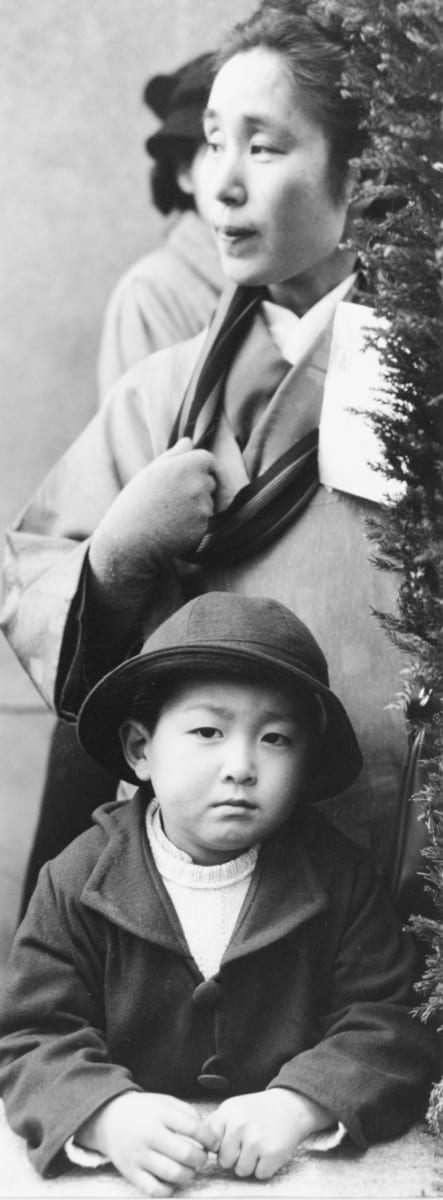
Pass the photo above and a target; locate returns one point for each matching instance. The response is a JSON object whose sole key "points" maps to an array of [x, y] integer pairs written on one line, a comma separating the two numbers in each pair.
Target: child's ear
{"points": [[136, 741]]}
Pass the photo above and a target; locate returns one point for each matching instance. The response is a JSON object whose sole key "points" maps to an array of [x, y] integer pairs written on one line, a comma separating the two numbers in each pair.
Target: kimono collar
{"points": [[295, 336]]}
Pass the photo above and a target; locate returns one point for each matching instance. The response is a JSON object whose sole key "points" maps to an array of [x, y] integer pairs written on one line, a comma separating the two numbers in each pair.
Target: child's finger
{"points": [[268, 1164], [148, 1185], [183, 1150], [208, 1137], [229, 1139], [168, 1170], [182, 1118], [247, 1160], [214, 1128]]}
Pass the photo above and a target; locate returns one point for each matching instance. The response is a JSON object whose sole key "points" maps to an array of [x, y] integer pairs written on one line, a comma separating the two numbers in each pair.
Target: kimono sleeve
{"points": [[46, 557], [55, 1069]]}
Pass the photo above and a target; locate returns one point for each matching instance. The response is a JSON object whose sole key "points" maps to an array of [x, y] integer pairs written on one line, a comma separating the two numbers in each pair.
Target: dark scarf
{"points": [[266, 505]]}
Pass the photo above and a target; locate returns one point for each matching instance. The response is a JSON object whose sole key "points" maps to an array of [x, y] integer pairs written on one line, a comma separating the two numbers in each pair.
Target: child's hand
{"points": [[165, 508], [258, 1133], [157, 1142]]}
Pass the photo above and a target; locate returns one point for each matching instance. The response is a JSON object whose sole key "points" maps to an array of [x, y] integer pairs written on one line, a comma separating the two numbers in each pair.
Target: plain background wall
{"points": [[74, 214]]}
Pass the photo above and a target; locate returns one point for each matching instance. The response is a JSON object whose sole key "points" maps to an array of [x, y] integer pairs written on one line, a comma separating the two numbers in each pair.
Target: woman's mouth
{"points": [[234, 237]]}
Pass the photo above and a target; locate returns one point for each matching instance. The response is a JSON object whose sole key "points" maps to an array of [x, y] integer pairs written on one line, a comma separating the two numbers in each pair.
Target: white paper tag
{"points": [[348, 446]]}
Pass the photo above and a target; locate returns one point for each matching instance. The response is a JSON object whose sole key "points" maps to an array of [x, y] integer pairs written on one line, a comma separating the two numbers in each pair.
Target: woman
{"points": [[201, 471], [171, 293]]}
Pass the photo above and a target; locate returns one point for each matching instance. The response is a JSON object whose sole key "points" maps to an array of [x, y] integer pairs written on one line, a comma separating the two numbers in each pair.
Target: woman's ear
{"points": [[136, 740]]}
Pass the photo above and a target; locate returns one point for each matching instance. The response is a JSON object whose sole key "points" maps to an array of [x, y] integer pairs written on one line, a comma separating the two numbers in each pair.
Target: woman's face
{"points": [[268, 174]]}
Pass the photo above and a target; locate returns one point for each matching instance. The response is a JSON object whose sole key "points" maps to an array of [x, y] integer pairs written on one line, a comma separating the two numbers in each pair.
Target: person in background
{"points": [[171, 293]]}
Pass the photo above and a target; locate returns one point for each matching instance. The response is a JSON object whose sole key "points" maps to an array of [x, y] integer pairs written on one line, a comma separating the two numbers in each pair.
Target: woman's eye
{"points": [[264, 150], [213, 143]]}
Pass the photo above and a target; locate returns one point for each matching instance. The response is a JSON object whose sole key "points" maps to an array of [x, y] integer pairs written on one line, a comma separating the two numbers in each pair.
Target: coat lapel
{"points": [[124, 885], [285, 893], [126, 889]]}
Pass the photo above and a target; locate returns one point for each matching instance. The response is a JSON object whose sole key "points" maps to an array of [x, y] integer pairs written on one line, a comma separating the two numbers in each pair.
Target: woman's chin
{"points": [[241, 272]]}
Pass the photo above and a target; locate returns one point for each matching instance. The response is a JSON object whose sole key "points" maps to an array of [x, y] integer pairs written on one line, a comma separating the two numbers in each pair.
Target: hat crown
{"points": [[227, 619], [188, 86]]}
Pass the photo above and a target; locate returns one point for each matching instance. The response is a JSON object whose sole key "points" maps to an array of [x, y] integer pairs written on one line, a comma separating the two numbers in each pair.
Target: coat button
{"points": [[210, 1078], [213, 1083], [207, 994]]}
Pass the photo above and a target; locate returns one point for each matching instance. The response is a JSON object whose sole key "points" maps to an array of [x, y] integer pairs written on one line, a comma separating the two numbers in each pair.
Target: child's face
{"points": [[226, 760]]}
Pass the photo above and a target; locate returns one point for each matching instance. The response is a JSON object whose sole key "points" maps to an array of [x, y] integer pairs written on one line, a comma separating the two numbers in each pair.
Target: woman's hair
{"points": [[316, 57]]}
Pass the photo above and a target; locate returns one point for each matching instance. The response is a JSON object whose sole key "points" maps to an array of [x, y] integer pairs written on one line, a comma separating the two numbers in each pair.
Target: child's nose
{"points": [[239, 762]]}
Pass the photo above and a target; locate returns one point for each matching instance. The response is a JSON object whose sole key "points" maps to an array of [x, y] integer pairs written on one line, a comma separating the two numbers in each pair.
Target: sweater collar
{"points": [[126, 888], [178, 866]]}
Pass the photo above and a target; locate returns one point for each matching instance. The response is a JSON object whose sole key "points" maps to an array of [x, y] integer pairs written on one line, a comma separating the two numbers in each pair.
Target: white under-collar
{"points": [[295, 335]]}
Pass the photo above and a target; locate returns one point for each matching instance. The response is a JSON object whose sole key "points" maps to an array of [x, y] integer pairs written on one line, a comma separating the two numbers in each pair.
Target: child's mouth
{"points": [[240, 805]]}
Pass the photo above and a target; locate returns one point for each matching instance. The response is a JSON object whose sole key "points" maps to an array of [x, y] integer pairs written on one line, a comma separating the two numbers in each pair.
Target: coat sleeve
{"points": [[374, 1061], [55, 1069], [45, 595]]}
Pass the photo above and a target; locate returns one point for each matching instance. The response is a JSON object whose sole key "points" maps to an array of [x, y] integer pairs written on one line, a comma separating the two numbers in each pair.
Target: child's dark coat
{"points": [[102, 990]]}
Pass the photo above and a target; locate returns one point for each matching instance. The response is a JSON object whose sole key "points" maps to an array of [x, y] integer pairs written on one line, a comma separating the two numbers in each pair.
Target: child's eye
{"points": [[207, 733], [276, 739]]}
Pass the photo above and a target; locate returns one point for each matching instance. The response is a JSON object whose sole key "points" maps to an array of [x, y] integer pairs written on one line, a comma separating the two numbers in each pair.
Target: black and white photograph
{"points": [[221, 599]]}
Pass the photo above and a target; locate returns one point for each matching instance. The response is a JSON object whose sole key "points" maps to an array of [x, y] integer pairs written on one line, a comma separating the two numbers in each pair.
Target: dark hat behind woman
{"points": [[179, 100]]}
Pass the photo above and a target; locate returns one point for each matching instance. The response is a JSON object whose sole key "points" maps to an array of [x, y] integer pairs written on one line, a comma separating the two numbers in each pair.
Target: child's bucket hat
{"points": [[222, 633]]}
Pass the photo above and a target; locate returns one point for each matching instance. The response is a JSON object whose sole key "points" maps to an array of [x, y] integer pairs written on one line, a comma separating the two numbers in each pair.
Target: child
{"points": [[212, 937]]}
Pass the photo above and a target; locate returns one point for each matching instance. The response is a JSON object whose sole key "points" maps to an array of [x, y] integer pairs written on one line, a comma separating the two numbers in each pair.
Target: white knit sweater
{"points": [[207, 899]]}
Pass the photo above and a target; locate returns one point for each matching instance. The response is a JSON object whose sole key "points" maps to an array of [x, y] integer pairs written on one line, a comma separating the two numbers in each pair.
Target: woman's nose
{"points": [[229, 185]]}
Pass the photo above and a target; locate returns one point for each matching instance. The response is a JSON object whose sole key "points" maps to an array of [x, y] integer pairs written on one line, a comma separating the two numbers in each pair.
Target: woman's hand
{"points": [[157, 1142], [257, 1133], [163, 510]]}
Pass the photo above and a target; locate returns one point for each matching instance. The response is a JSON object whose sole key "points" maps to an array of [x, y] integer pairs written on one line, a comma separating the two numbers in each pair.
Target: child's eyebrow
{"points": [[221, 710]]}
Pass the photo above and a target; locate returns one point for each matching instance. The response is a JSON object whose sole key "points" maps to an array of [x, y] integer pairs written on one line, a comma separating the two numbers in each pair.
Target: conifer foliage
{"points": [[396, 68]]}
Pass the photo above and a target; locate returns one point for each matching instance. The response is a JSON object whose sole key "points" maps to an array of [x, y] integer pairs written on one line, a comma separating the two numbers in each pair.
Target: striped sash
{"points": [[266, 505]]}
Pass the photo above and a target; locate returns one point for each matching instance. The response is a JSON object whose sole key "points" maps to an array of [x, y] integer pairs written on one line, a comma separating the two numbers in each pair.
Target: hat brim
{"points": [[108, 705]]}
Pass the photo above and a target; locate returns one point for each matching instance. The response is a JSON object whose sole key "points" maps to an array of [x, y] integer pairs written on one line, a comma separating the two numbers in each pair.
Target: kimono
{"points": [[103, 995], [165, 297], [319, 564]]}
